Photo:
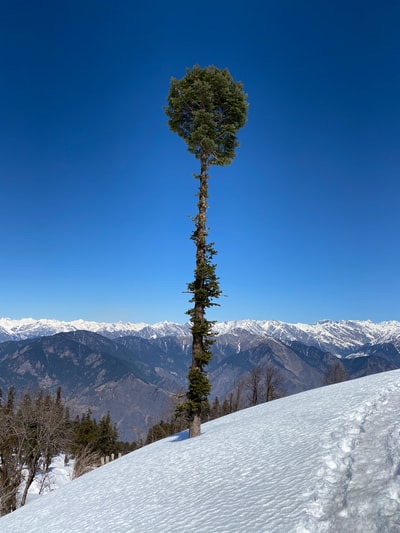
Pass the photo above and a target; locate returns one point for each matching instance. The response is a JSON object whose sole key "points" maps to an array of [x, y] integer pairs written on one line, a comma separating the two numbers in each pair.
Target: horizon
{"points": [[98, 193], [140, 323]]}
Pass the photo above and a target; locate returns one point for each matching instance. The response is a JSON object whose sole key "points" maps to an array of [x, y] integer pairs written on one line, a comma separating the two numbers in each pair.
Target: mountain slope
{"points": [[93, 372], [303, 464]]}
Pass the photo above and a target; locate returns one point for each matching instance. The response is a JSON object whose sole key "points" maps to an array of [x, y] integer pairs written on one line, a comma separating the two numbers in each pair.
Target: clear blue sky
{"points": [[96, 192]]}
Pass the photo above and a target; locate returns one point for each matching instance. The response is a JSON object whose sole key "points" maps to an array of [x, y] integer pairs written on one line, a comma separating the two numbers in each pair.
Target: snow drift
{"points": [[326, 460]]}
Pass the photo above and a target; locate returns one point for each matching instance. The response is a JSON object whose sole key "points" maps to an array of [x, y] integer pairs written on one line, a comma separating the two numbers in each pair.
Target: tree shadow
{"points": [[183, 435]]}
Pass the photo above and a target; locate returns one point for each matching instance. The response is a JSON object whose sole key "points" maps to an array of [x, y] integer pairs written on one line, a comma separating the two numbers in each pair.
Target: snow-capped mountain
{"points": [[338, 337], [303, 464], [27, 328]]}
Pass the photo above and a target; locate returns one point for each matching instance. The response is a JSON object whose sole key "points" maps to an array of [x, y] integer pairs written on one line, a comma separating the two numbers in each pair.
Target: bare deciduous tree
{"points": [[273, 381], [42, 421], [236, 397], [85, 461], [11, 444], [252, 383], [264, 383], [31, 432], [336, 373]]}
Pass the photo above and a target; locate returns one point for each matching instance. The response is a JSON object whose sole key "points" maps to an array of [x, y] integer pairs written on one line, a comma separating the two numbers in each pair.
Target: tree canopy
{"points": [[207, 108]]}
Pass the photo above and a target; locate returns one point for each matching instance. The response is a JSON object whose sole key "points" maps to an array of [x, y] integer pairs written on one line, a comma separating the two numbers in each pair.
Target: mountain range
{"points": [[134, 370], [339, 337]]}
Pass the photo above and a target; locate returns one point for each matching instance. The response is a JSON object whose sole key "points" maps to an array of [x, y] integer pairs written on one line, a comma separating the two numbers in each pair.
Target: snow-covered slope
{"points": [[308, 463], [338, 337]]}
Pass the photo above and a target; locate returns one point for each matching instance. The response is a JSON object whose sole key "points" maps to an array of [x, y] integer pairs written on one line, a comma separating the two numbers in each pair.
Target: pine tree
{"points": [[206, 108], [85, 433], [107, 436]]}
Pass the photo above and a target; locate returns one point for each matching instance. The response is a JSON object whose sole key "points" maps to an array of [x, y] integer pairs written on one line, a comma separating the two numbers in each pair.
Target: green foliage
{"points": [[84, 432], [98, 437], [107, 436], [207, 108], [164, 429], [199, 388], [205, 287], [217, 409], [159, 431]]}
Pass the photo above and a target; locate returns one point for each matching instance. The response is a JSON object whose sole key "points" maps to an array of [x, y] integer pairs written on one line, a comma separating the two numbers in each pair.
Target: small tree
{"points": [[263, 383], [336, 373], [236, 396], [252, 383], [99, 437], [206, 108], [107, 436], [85, 433], [86, 460], [273, 381]]}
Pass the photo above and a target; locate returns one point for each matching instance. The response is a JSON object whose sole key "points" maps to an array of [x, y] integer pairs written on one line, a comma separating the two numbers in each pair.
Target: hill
{"points": [[322, 461]]}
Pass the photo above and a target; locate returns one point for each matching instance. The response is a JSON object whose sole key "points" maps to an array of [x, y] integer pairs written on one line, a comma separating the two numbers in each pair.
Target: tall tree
{"points": [[206, 108]]}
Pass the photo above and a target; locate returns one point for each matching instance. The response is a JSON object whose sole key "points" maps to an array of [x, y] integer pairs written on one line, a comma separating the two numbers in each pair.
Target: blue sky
{"points": [[97, 193]]}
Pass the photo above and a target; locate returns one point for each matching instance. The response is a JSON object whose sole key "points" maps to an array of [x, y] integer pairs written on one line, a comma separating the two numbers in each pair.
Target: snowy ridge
{"points": [[339, 337], [26, 328], [327, 334], [307, 463]]}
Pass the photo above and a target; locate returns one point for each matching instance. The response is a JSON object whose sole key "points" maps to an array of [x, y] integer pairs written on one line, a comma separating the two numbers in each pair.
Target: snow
{"points": [[323, 461], [57, 476], [339, 337], [19, 329]]}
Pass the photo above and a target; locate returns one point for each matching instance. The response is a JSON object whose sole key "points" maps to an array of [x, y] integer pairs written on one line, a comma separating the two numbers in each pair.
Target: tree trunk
{"points": [[31, 476], [199, 309], [195, 426], [8, 488]]}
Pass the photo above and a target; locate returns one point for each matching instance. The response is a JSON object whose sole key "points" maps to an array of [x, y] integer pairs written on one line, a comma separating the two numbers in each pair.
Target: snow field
{"points": [[58, 475], [325, 460], [357, 488]]}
